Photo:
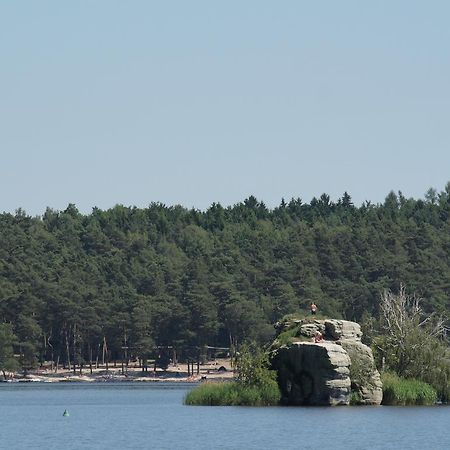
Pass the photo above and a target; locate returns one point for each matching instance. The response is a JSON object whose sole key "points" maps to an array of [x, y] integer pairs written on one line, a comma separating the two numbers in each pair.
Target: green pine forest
{"points": [[76, 288]]}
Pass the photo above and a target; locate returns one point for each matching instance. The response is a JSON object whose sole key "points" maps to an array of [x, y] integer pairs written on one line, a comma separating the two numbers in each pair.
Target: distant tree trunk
{"points": [[231, 349], [57, 364], [74, 349], [45, 348], [174, 357], [90, 358], [105, 353], [97, 355], [68, 350], [125, 351], [52, 355]]}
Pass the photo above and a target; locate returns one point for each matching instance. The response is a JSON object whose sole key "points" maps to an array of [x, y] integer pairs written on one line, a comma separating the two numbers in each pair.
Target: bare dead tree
{"points": [[411, 337], [402, 312]]}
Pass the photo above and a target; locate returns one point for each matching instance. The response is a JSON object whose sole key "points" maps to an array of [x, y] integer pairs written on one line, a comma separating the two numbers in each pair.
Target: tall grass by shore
{"points": [[402, 392], [233, 394]]}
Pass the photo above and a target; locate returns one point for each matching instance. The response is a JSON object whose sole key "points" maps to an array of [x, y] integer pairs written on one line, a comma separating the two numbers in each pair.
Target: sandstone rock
{"points": [[366, 380], [342, 329], [325, 373], [310, 329], [313, 374], [284, 325]]}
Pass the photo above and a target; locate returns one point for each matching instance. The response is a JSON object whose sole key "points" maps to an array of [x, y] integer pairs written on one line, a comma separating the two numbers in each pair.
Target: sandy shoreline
{"points": [[219, 370]]}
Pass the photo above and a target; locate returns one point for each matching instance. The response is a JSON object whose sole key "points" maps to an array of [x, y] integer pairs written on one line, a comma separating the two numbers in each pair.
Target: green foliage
{"points": [[233, 394], [355, 398], [288, 336], [28, 359], [411, 344], [255, 384], [252, 367], [77, 286], [8, 362], [291, 325], [401, 391]]}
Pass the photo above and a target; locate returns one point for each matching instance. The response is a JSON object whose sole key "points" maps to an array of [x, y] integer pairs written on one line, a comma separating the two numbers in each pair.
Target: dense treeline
{"points": [[77, 288]]}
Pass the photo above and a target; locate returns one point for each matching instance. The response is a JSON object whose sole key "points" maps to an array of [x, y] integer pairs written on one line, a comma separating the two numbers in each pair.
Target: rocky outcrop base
{"points": [[313, 374]]}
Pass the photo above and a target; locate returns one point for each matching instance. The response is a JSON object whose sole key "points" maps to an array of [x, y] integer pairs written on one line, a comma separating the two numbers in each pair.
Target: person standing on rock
{"points": [[313, 308]]}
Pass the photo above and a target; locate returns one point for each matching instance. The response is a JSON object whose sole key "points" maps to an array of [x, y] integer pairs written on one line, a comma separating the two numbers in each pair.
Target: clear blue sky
{"points": [[193, 102]]}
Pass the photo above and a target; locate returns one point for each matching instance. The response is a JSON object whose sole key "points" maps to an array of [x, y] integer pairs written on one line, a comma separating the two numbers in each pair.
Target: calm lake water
{"points": [[152, 416]]}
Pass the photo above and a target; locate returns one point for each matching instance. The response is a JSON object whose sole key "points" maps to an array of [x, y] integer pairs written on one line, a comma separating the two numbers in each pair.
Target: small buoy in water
{"points": [[66, 413]]}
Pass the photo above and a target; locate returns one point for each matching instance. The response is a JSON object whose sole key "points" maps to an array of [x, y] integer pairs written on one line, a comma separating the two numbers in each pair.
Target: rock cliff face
{"points": [[313, 374], [325, 373]]}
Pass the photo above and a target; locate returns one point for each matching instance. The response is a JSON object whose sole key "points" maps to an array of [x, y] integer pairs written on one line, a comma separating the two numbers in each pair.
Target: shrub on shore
{"points": [[255, 384], [401, 391], [233, 394]]}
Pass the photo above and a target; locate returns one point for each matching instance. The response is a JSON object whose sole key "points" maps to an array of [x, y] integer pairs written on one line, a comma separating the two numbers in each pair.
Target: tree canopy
{"points": [[74, 286]]}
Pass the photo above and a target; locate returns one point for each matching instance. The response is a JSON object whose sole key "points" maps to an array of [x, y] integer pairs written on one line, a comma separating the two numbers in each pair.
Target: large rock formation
{"points": [[325, 373], [313, 374]]}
